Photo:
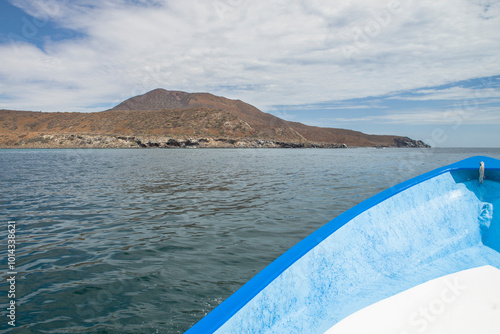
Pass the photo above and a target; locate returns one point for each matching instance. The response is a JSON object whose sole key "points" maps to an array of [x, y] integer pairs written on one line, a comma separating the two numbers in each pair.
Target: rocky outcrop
{"points": [[74, 141], [163, 142], [112, 141], [408, 142]]}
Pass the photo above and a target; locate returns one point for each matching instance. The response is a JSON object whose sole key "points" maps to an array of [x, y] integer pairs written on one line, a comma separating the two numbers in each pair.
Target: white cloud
{"points": [[453, 116], [288, 52], [452, 93]]}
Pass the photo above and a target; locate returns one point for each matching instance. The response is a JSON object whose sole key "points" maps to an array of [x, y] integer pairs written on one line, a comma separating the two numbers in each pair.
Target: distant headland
{"points": [[174, 119]]}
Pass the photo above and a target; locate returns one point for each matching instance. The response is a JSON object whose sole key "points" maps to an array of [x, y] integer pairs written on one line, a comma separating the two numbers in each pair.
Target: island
{"points": [[175, 119]]}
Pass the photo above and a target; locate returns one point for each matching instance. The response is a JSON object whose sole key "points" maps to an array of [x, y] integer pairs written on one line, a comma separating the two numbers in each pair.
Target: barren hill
{"points": [[164, 118]]}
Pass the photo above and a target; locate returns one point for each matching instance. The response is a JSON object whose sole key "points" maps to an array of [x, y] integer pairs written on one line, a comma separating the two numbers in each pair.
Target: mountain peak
{"points": [[157, 99]]}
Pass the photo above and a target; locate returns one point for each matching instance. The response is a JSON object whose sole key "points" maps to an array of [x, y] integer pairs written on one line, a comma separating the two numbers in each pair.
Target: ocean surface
{"points": [[151, 240]]}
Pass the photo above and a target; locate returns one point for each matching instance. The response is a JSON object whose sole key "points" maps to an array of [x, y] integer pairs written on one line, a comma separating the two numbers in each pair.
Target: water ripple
{"points": [[145, 241]]}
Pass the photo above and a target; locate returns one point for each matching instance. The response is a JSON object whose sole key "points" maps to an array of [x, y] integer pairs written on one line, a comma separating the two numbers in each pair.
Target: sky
{"points": [[427, 69]]}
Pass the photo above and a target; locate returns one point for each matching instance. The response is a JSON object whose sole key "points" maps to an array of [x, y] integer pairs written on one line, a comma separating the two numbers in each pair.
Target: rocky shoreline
{"points": [[116, 141]]}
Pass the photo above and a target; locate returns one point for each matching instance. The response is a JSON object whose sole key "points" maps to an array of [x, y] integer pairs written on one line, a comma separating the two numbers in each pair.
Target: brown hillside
{"points": [[180, 115]]}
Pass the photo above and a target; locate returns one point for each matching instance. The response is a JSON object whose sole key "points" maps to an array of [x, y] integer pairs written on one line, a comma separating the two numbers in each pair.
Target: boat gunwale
{"points": [[234, 303]]}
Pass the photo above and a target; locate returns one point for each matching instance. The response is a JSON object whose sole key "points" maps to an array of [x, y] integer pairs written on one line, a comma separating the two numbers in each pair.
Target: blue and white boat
{"points": [[422, 256]]}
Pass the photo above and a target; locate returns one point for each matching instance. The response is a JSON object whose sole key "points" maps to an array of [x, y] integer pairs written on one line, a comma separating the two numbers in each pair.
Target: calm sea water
{"points": [[149, 241]]}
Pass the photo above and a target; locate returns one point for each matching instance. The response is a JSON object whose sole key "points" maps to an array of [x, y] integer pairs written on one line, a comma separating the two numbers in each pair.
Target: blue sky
{"points": [[426, 69]]}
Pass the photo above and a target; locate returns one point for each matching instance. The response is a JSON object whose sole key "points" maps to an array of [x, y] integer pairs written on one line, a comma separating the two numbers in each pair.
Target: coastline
{"points": [[117, 141]]}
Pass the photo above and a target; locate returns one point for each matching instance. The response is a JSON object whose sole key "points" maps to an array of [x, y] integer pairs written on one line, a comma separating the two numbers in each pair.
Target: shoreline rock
{"points": [[119, 141]]}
